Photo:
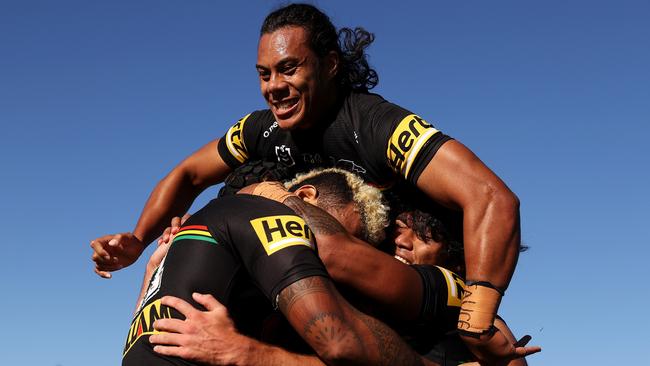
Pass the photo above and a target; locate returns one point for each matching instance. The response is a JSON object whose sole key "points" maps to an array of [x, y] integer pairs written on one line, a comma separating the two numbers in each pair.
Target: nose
{"points": [[276, 86], [403, 240]]}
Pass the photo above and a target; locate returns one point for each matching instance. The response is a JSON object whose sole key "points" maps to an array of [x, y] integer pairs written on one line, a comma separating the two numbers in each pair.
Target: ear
{"points": [[332, 62], [308, 193]]}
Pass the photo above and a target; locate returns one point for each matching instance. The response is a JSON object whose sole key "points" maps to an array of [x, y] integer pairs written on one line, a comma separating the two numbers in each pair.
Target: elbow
{"points": [[338, 353]]}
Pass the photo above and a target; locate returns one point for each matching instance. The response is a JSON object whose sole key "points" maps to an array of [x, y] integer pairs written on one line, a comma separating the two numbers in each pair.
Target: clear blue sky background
{"points": [[99, 99]]}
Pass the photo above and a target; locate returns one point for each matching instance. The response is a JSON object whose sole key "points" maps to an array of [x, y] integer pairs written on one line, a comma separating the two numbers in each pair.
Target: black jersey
{"points": [[367, 135], [434, 335], [241, 249]]}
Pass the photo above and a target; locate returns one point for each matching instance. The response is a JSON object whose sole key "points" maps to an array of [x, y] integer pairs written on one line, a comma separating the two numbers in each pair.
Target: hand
{"points": [[114, 252], [170, 232], [204, 336], [496, 349]]}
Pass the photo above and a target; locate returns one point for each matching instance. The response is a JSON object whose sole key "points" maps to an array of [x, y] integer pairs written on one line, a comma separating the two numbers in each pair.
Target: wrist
{"points": [[478, 309]]}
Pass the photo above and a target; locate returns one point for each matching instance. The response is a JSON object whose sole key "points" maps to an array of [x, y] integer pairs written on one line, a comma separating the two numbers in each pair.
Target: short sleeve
{"points": [[399, 138], [276, 246], [239, 143], [442, 292]]}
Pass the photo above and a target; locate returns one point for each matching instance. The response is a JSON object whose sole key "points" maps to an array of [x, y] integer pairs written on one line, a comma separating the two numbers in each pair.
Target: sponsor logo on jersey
{"points": [[235, 140], [455, 287], [268, 131], [142, 324], [284, 155], [279, 232], [405, 143]]}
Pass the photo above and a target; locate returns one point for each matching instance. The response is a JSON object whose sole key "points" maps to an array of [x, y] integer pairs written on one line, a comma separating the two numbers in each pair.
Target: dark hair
{"points": [[350, 44], [428, 227]]}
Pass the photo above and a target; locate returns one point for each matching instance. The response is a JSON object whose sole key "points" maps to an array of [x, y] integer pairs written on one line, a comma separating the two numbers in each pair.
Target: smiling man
{"points": [[315, 81]]}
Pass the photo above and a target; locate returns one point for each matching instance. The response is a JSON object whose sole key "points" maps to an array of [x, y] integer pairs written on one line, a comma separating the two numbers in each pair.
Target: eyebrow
{"points": [[283, 62]]}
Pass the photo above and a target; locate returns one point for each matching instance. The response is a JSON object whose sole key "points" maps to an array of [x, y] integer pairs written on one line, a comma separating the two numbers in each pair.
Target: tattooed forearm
{"points": [[319, 221], [326, 331], [392, 349], [298, 290]]}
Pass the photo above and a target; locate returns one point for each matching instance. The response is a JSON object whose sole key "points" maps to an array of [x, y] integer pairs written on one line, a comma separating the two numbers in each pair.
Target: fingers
{"points": [[523, 341], [179, 304], [208, 301], [103, 274], [170, 325], [99, 252], [525, 351], [173, 351], [169, 339]]}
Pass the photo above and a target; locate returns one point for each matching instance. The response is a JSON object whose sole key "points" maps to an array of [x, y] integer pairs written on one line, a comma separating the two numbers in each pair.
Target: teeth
{"points": [[401, 259], [286, 104]]}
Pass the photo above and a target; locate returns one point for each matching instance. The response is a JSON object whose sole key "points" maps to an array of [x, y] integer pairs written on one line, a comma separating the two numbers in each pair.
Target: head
{"points": [[420, 238], [303, 68], [356, 205]]}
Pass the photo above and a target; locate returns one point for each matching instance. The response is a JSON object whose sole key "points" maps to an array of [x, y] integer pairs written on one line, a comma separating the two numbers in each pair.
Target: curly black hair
{"points": [[350, 44]]}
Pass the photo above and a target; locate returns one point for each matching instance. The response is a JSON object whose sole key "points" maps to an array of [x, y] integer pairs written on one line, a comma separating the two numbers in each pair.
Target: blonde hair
{"points": [[368, 201]]}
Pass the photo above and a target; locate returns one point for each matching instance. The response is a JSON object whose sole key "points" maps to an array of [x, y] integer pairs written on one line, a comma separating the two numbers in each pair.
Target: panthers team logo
{"points": [[235, 140], [282, 231], [284, 155], [405, 143]]}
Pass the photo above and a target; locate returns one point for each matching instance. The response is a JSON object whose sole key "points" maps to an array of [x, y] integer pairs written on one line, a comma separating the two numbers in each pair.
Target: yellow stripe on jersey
{"points": [[406, 142], [455, 286], [235, 140]]}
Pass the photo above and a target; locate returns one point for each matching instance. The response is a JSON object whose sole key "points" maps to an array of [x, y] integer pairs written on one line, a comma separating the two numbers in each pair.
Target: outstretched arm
{"points": [[172, 196]]}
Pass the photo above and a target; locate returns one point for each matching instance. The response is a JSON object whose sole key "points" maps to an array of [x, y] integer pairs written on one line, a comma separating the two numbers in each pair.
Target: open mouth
{"points": [[402, 259], [285, 108]]}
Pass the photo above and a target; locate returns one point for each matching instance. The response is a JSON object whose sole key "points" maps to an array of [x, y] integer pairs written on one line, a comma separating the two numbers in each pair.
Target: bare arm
{"points": [[175, 193], [354, 263], [336, 331], [171, 197], [457, 178]]}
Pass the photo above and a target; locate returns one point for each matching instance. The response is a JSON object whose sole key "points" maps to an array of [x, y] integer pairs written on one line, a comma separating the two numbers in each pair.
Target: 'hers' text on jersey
{"points": [[408, 138], [279, 232]]}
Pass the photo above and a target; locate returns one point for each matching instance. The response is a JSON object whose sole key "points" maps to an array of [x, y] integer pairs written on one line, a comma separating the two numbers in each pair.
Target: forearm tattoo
{"points": [[319, 221], [299, 289], [393, 351], [326, 328]]}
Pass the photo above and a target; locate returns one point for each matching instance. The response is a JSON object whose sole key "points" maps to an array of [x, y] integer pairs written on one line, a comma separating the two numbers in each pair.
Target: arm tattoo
{"points": [[299, 289], [319, 221], [326, 329], [392, 349]]}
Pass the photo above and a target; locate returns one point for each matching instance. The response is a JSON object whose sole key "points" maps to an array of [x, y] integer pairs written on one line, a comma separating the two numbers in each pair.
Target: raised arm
{"points": [[172, 196], [457, 178]]}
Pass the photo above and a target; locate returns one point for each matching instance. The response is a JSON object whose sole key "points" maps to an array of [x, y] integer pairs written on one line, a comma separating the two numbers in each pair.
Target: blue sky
{"points": [[100, 99]]}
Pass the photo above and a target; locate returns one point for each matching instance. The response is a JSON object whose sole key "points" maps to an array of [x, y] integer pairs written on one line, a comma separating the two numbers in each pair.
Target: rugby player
{"points": [[253, 255], [426, 315], [315, 81]]}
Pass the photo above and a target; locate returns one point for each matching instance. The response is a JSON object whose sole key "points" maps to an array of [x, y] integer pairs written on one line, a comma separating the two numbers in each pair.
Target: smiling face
{"points": [[412, 249], [297, 86]]}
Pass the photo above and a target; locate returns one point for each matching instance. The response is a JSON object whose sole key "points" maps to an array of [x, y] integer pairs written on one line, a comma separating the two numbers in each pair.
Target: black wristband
{"points": [[491, 330], [485, 284]]}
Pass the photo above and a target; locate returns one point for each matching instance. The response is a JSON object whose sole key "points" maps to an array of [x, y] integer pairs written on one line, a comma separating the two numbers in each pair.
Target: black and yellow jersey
{"points": [[367, 135], [241, 249]]}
